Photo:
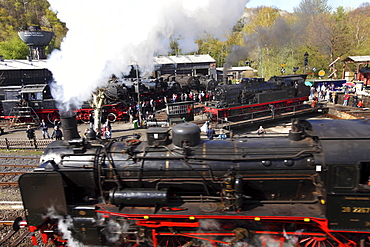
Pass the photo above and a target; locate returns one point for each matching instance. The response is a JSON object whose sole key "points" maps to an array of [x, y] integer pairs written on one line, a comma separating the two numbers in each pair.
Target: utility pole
{"points": [[305, 61], [137, 89], [261, 69]]}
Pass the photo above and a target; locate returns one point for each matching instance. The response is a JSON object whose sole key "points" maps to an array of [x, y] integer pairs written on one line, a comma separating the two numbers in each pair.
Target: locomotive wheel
{"points": [[83, 117], [112, 117], [315, 241], [175, 241], [53, 116]]}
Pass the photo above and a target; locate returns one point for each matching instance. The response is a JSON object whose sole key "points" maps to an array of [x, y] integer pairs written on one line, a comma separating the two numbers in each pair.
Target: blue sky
{"points": [[289, 5]]}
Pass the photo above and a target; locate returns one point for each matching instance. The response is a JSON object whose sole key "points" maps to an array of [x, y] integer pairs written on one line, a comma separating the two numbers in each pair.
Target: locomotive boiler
{"points": [[309, 188]]}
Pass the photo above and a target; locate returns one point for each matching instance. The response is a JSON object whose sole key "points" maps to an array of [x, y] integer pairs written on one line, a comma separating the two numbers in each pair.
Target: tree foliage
{"points": [[13, 48], [273, 37]]}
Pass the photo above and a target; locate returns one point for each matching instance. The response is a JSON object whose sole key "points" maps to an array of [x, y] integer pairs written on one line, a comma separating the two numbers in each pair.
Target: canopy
{"points": [[309, 83], [350, 84]]}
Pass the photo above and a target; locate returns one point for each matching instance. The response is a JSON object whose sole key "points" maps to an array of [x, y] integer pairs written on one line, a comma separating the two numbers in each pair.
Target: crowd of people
{"points": [[329, 94], [56, 134]]}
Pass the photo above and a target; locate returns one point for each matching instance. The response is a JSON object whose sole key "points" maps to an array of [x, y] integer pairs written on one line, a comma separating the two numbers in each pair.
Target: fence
{"points": [[24, 143]]}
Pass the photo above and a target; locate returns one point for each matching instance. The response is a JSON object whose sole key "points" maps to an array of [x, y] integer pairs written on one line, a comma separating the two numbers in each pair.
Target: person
{"points": [[345, 99], [107, 132], [355, 100], [312, 92], [108, 124], [360, 104], [56, 122], [44, 129], [91, 119], [205, 127], [296, 85], [261, 131], [222, 135], [57, 133], [210, 133], [85, 133], [32, 97], [152, 104], [272, 109], [334, 97], [31, 134], [98, 133], [314, 101]]}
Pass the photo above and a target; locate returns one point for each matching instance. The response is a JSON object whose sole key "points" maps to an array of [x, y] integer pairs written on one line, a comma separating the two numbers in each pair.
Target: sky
{"points": [[289, 5]]}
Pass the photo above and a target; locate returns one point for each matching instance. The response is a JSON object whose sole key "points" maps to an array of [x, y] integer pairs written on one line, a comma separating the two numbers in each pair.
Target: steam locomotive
{"points": [[310, 188], [239, 101]]}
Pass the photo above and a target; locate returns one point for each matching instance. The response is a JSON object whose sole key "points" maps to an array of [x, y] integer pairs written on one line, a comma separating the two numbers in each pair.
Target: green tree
{"points": [[19, 14], [312, 7], [260, 17], [359, 30], [7, 23], [14, 48]]}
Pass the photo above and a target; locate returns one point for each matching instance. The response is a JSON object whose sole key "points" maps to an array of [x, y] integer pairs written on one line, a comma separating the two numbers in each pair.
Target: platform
{"points": [[229, 125]]}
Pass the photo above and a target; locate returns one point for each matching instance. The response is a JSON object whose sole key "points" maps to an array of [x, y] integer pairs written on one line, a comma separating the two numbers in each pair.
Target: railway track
{"points": [[11, 208], [11, 167], [18, 158], [11, 239]]}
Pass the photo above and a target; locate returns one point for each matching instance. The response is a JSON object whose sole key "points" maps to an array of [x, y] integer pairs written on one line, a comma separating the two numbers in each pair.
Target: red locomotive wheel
{"points": [[315, 242], [53, 116], [83, 117], [112, 117]]}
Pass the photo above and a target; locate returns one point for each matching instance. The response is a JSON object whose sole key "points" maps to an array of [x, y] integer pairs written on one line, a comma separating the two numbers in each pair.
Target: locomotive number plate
{"points": [[361, 210]]}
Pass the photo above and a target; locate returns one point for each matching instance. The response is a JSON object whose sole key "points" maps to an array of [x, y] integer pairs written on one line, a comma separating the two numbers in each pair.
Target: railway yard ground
{"points": [[126, 129], [14, 162]]}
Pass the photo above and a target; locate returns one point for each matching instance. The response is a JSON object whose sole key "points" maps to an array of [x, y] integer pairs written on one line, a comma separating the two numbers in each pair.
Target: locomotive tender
{"points": [[309, 188]]}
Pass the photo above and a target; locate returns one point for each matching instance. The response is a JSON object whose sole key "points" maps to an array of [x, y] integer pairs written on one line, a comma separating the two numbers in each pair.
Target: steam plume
{"points": [[105, 37]]}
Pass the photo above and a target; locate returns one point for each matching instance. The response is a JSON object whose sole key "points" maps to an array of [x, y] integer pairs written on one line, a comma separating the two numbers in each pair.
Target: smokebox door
{"points": [[42, 193]]}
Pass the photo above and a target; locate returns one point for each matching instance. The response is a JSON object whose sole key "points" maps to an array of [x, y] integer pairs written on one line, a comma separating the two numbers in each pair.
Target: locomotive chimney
{"points": [[69, 126]]}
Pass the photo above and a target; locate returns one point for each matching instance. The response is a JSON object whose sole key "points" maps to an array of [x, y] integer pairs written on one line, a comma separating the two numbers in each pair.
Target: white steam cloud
{"points": [[105, 37]]}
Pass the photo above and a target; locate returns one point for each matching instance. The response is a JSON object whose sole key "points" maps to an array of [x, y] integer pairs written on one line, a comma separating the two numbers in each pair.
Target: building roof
{"points": [[41, 64], [244, 68], [184, 59], [22, 64], [357, 59]]}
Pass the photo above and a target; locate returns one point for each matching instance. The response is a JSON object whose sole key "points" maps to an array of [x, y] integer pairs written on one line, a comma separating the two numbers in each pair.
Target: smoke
{"points": [[113, 230], [281, 35], [209, 225], [105, 37], [64, 226], [237, 54]]}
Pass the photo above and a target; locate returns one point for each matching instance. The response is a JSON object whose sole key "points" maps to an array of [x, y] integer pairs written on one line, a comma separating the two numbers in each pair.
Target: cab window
{"points": [[344, 176]]}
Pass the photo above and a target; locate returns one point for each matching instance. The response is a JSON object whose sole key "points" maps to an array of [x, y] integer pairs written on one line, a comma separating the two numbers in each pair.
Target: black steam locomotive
{"points": [[251, 95], [310, 188]]}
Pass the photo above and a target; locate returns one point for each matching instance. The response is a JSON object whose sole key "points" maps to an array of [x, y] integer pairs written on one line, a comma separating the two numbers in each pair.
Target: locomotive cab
{"points": [[38, 96]]}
